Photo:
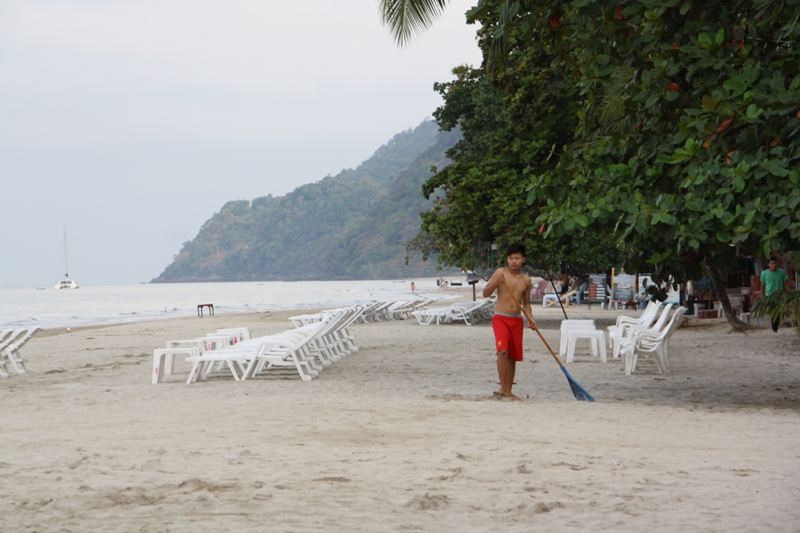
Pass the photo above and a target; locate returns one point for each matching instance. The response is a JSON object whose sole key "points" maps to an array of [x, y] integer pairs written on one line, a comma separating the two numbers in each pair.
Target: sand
{"points": [[403, 436]]}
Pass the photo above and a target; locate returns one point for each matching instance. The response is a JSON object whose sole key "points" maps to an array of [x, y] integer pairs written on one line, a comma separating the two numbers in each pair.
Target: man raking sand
{"points": [[512, 287]]}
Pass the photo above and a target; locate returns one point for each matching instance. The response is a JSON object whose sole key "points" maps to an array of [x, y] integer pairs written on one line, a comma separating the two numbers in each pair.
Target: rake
{"points": [[577, 390]]}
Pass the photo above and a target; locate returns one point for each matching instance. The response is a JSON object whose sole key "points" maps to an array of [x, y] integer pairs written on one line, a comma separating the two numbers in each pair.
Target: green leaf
{"points": [[719, 38], [706, 40], [736, 84], [582, 220], [753, 111], [751, 73]]}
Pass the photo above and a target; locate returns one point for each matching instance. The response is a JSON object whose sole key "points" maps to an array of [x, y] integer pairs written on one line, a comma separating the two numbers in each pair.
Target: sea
{"points": [[51, 308]]}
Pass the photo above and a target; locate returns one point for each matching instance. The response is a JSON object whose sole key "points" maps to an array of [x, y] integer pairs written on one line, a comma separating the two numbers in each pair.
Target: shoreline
{"points": [[103, 305]]}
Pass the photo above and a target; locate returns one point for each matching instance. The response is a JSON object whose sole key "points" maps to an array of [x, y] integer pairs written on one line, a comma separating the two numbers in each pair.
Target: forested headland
{"points": [[348, 226]]}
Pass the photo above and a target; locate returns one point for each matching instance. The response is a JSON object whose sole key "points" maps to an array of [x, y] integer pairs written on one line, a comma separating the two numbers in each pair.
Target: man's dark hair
{"points": [[516, 248]]}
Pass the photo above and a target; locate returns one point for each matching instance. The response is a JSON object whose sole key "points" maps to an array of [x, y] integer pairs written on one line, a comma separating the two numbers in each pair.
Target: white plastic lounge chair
{"points": [[246, 359], [426, 317], [7, 336], [164, 358], [368, 312], [11, 348], [302, 320], [339, 338], [648, 342], [296, 349], [326, 347], [402, 309], [547, 302], [467, 313], [241, 334]]}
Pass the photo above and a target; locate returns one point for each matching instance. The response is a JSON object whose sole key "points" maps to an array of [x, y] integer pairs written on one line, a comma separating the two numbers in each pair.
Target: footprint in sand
{"points": [[429, 502]]}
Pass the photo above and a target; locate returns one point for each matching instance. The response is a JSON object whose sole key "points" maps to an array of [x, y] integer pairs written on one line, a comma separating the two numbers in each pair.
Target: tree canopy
{"points": [[687, 145], [684, 149], [510, 125]]}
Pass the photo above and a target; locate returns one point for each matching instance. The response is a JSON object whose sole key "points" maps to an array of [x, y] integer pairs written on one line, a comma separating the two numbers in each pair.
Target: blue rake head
{"points": [[579, 392]]}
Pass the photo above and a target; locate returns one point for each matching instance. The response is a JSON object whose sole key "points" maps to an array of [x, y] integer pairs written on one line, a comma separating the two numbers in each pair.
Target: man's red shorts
{"points": [[508, 335]]}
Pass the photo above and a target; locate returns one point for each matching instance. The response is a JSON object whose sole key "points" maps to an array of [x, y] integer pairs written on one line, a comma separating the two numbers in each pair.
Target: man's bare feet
{"points": [[502, 394], [499, 392]]}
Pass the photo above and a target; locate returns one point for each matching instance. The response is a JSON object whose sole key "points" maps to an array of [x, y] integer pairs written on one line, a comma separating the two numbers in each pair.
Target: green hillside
{"points": [[369, 247], [342, 227]]}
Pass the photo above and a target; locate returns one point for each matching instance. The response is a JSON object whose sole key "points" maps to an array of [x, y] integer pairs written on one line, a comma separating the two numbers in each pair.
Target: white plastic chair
{"points": [[646, 319], [622, 335], [648, 342]]}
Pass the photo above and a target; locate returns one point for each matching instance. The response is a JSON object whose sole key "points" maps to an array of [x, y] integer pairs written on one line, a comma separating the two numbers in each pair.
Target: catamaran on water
{"points": [[66, 283]]}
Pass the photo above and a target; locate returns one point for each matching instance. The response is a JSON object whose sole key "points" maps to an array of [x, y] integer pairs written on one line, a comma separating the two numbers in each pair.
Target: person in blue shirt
{"points": [[773, 280]]}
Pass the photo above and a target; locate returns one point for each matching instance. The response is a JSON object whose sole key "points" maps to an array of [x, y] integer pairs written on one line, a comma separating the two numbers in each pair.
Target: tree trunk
{"points": [[722, 294]]}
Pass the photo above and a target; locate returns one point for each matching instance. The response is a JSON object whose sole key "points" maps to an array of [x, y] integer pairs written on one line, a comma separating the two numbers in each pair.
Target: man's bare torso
{"points": [[520, 285]]}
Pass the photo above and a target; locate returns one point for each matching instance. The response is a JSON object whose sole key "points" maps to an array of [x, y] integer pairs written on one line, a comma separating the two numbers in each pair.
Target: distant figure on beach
{"points": [[773, 280], [413, 287], [507, 322]]}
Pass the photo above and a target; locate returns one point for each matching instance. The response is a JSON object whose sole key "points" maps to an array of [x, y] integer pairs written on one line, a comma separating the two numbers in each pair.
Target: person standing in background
{"points": [[773, 280]]}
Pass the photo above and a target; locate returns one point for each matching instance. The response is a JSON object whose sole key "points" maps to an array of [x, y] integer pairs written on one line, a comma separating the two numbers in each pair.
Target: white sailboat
{"points": [[66, 283]]}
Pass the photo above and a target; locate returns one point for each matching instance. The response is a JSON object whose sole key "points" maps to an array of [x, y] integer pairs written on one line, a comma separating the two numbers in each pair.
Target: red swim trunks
{"points": [[508, 335]]}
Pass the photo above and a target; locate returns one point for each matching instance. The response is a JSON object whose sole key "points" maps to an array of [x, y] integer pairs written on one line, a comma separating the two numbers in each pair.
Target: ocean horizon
{"points": [[115, 304]]}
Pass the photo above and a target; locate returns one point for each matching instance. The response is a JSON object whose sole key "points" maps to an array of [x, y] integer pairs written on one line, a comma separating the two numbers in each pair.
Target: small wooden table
{"points": [[210, 309]]}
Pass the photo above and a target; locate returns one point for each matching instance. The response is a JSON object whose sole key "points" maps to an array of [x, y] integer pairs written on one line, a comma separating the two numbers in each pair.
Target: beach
{"points": [[403, 435]]}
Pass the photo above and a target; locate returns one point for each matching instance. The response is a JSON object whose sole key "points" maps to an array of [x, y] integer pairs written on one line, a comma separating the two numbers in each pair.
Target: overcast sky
{"points": [[130, 123]]}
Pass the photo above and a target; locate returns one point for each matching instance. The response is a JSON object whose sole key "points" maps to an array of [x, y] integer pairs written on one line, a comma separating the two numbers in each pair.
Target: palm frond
{"points": [[409, 18], [498, 49], [779, 305], [612, 100]]}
